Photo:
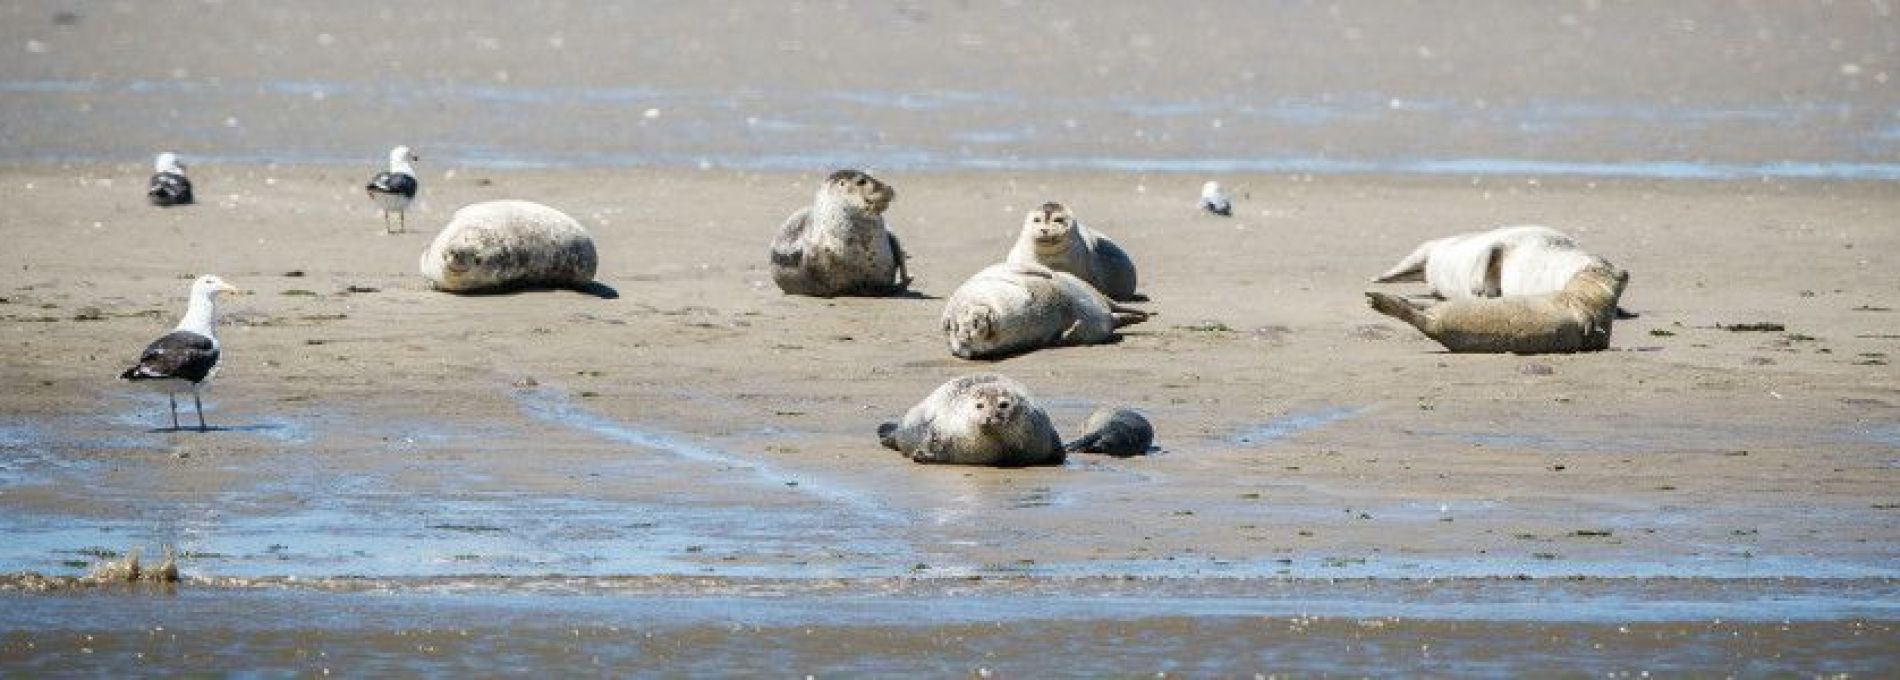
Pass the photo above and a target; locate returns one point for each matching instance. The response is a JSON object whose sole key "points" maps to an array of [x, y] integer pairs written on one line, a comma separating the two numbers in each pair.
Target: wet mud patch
{"points": [[1293, 424]]}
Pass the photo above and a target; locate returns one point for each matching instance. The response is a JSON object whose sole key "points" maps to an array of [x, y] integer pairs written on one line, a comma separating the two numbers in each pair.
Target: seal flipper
{"points": [[903, 271], [1412, 268], [1127, 316], [1398, 308], [1085, 443], [1494, 272]]}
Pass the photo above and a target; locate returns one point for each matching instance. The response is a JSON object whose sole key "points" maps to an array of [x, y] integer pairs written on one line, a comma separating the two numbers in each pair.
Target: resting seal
{"points": [[1116, 432], [976, 420], [1052, 238], [838, 244], [1535, 260], [1010, 308], [502, 245], [1574, 319]]}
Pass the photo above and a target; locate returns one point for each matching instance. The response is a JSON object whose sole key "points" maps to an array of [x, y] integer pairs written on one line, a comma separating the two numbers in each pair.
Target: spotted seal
{"points": [[1053, 238], [983, 419], [1016, 307], [1116, 432], [838, 245], [503, 245], [1574, 319]]}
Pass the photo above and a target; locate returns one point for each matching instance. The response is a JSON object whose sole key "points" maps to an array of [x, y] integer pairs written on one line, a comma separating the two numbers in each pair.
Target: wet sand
{"points": [[694, 457]]}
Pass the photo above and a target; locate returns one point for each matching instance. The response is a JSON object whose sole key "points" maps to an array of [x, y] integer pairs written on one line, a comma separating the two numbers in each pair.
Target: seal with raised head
{"points": [[838, 245], [1015, 307], [1116, 432], [1053, 238], [1534, 260], [1574, 319], [503, 245], [982, 419]]}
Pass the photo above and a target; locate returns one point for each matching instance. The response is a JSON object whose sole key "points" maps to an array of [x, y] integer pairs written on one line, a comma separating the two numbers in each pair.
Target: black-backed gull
{"points": [[187, 357], [169, 186], [1214, 200], [394, 188]]}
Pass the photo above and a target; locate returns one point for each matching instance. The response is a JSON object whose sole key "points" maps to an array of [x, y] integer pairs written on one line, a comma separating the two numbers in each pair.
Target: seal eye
{"points": [[1037, 220], [1002, 405]]}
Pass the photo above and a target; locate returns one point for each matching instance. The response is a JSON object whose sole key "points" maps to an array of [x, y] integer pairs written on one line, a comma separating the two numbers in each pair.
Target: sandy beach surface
{"points": [[682, 476]]}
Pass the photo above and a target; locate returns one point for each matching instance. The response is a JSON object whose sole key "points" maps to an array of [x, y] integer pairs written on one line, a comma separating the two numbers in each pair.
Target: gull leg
{"points": [[402, 222], [174, 397], [201, 409]]}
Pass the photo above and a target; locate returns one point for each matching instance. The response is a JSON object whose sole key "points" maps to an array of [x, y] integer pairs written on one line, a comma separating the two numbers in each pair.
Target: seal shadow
{"points": [[594, 288]]}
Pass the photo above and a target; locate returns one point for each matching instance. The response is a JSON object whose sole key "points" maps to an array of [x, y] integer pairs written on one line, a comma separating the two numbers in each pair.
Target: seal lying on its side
{"points": [[1575, 319], [1010, 308], [1053, 238], [838, 244], [1116, 432], [502, 245], [980, 419], [1535, 260]]}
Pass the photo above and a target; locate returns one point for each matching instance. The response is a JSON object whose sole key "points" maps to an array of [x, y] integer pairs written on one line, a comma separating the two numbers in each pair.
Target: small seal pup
{"points": [[1016, 307], [500, 245], [186, 358], [393, 189], [1116, 432], [169, 186], [1053, 238], [983, 419], [1574, 319], [1535, 260], [838, 245]]}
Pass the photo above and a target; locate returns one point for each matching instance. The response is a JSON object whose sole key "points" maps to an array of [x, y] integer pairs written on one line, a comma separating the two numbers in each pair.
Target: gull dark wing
{"points": [[180, 355], [169, 188], [393, 183]]}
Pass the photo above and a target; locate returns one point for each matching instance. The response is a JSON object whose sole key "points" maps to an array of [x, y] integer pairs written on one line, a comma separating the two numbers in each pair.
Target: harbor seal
{"points": [[1574, 319], [1053, 238], [838, 245], [1535, 260], [1116, 432], [983, 419], [1015, 307], [502, 245]]}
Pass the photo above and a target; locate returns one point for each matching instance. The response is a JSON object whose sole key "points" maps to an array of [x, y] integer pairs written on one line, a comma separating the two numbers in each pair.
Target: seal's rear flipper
{"points": [[1083, 444], [1412, 268], [1394, 307], [1127, 316]]}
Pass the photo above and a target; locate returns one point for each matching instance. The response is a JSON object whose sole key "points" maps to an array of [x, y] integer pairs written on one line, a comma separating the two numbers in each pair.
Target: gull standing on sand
{"points": [[1214, 200], [169, 186], [394, 188], [185, 358]]}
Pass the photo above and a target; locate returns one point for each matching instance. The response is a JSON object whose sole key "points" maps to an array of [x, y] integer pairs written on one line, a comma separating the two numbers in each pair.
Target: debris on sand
{"points": [[1756, 327]]}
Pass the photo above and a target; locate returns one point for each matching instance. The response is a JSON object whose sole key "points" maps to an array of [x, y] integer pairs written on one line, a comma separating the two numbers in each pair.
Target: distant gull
{"points": [[1214, 200], [185, 358], [169, 186], [395, 188]]}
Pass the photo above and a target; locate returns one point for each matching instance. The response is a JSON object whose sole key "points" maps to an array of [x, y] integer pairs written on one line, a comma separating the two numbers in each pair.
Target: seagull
{"points": [[1214, 200], [395, 188], [169, 186], [185, 358]]}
